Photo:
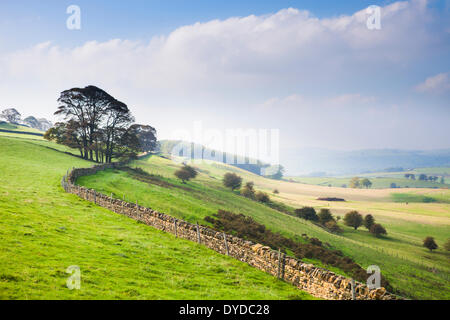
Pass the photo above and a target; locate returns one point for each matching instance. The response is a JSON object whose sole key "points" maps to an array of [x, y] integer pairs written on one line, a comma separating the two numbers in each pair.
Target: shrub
{"points": [[430, 244], [315, 242], [276, 191], [447, 245], [325, 216], [262, 197], [248, 190], [232, 181], [332, 226], [353, 219], [377, 230], [185, 173], [307, 213], [369, 221]]}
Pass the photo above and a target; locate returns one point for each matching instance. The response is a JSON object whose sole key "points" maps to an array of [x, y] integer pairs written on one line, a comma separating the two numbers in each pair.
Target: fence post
{"points": [[279, 264], [283, 263], [353, 289], [110, 200], [137, 207], [175, 225], [198, 233], [226, 244], [95, 197]]}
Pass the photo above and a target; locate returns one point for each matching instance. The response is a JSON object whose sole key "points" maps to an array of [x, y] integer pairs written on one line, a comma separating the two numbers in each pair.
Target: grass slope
{"points": [[401, 257], [44, 230]]}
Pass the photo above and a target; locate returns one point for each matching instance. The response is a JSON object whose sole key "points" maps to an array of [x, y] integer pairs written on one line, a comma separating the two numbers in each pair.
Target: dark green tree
{"points": [[307, 213], [430, 244], [378, 230], [369, 221], [353, 219], [232, 181]]}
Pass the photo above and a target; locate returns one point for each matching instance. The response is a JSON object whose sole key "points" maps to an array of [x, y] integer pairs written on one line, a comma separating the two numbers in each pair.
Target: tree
{"points": [[393, 185], [442, 180], [353, 219], [101, 126], [275, 191], [146, 136], [325, 216], [369, 221], [355, 183], [274, 172], [423, 177], [377, 230], [262, 197], [248, 190], [11, 115], [186, 173], [447, 245], [407, 175], [232, 180], [66, 134], [413, 176], [307, 213], [32, 122], [366, 183], [430, 244]]}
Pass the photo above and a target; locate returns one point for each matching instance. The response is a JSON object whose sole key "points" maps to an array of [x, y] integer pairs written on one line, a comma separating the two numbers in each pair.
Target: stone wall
{"points": [[316, 281]]}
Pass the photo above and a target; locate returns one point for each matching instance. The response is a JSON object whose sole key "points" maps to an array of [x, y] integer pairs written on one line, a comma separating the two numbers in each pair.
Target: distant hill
{"points": [[198, 151], [331, 162]]}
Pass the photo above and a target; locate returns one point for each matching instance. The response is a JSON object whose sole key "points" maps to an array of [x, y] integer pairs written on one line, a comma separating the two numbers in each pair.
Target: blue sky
{"points": [[104, 20], [314, 71]]}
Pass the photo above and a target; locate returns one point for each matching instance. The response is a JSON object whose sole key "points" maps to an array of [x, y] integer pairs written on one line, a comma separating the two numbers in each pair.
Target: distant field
{"points": [[401, 257], [44, 230], [378, 182]]}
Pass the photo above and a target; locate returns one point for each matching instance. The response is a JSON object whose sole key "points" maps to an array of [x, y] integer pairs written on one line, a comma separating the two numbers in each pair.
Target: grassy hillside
{"points": [[401, 257], [44, 230]]}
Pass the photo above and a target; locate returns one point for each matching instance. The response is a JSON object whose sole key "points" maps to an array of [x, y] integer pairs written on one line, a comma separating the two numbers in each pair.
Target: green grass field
{"points": [[409, 267], [44, 230]]}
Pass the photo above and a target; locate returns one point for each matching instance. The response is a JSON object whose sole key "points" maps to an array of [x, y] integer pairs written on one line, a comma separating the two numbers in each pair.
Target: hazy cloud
{"points": [[436, 84]]}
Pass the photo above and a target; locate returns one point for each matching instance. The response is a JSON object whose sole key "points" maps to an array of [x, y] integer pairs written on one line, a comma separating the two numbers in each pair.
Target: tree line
{"points": [[99, 126]]}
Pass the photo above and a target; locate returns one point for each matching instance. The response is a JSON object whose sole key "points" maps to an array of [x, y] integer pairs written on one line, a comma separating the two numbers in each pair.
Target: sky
{"points": [[312, 70]]}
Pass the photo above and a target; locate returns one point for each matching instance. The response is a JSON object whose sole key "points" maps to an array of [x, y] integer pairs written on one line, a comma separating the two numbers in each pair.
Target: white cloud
{"points": [[243, 52], [436, 84], [217, 69]]}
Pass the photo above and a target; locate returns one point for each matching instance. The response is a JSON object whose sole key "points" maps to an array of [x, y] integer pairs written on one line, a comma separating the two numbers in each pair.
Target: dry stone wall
{"points": [[316, 281]]}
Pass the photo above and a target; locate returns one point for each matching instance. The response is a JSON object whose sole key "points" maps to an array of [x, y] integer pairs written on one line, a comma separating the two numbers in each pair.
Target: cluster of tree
{"points": [[351, 219], [99, 126], [410, 176], [360, 183], [234, 182], [13, 116], [186, 173], [355, 220], [324, 217], [424, 177]]}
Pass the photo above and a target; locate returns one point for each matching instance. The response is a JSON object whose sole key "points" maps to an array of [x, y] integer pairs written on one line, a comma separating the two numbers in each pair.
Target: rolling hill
{"points": [[410, 269], [43, 231]]}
